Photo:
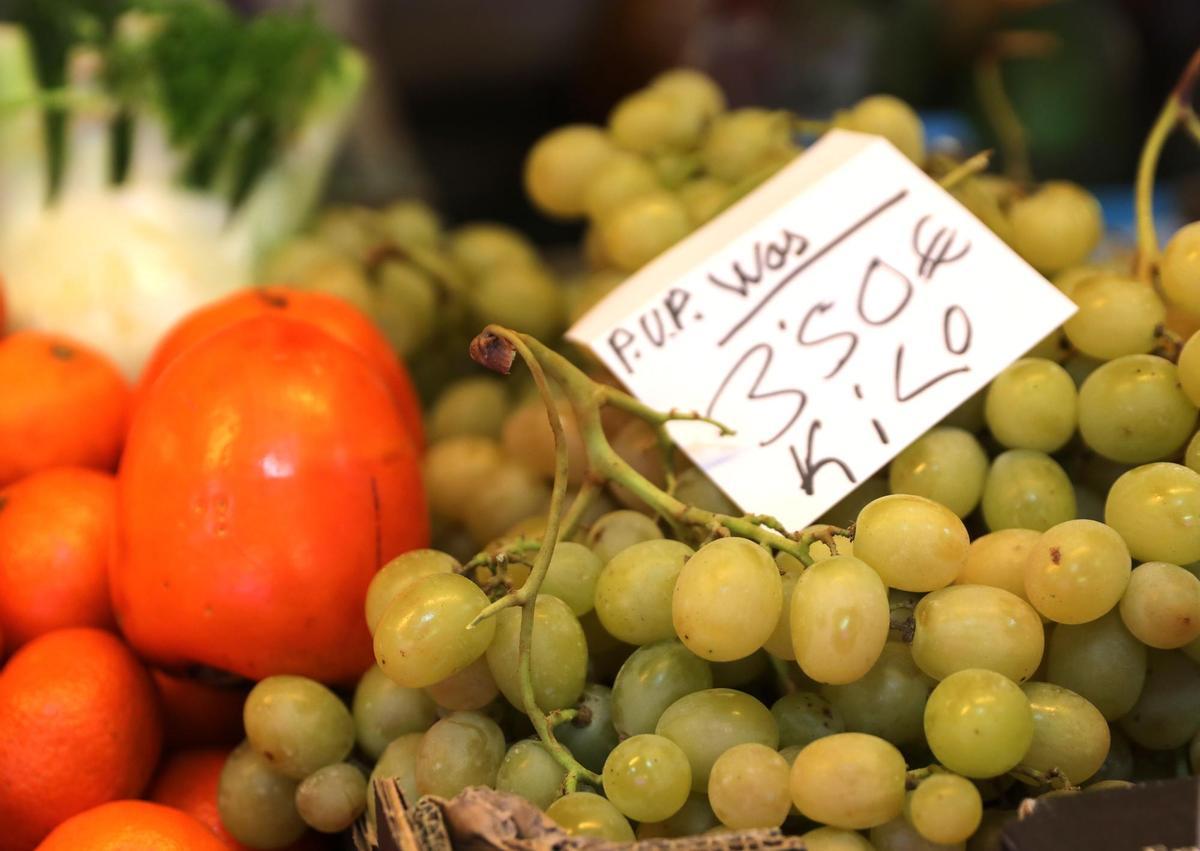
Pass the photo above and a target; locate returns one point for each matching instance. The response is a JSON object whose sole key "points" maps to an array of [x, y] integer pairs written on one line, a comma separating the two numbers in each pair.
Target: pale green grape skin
{"points": [[647, 777], [652, 678], [888, 701], [744, 141], [422, 637], [395, 577], [574, 570], [1191, 457], [624, 177], [693, 818], [692, 88], [617, 530], [978, 723], [704, 197], [398, 762], [1100, 661], [558, 657], [510, 493], [474, 405], [840, 619], [587, 814], [1026, 489], [849, 780], [727, 600], [410, 222], [297, 725], [1117, 316], [643, 227], [456, 467], [913, 543], [804, 717], [1077, 571], [779, 643], [384, 711], [977, 626], [560, 166], [257, 805], [403, 303], [463, 749], [1156, 509], [529, 770], [1068, 279], [1179, 268], [1161, 606], [998, 559], [1069, 734], [945, 808], [890, 117], [635, 590], [1167, 712], [899, 835], [472, 688], [482, 247], [1032, 405], [1133, 410], [1189, 368], [592, 741], [524, 298], [674, 168], [332, 798], [650, 122], [835, 839], [946, 465], [748, 787], [707, 723], [1056, 227]]}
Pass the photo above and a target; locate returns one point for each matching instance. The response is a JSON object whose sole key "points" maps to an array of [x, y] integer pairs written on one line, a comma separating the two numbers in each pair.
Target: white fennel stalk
{"points": [[24, 162]]}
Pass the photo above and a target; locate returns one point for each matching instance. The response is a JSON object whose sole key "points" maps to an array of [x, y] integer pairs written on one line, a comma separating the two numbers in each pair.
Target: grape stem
{"points": [[1002, 115], [972, 165]]}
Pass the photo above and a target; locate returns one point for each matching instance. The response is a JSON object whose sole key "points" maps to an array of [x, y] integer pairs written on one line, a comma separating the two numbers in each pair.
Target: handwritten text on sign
{"points": [[830, 318]]}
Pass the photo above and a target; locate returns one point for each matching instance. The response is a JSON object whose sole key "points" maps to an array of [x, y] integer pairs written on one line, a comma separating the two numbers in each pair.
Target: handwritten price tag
{"points": [[831, 317]]}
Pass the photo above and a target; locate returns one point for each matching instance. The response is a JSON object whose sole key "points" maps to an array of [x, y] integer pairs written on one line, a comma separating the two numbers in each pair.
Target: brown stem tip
{"points": [[493, 352]]}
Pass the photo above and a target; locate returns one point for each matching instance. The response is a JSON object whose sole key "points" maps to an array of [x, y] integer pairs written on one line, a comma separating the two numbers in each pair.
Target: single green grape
{"points": [[297, 259], [805, 716], [614, 532], [403, 303], [422, 637], [899, 835], [1167, 712], [587, 814], [473, 687], [1156, 509], [526, 437], [1191, 457], [1133, 410], [561, 165], [748, 787], [1032, 405], [888, 701], [840, 619], [475, 405], [257, 804], [742, 142], [1161, 605], [1179, 268], [525, 298], [652, 678], [693, 89], [463, 749], [704, 198], [913, 543], [978, 723], [384, 711], [891, 118], [998, 559], [779, 643], [692, 819], [635, 589], [399, 763], [647, 777], [651, 121], [1189, 368], [835, 839], [727, 599], [641, 228], [945, 808], [1117, 315], [398, 575], [558, 655], [410, 222], [591, 736], [482, 247], [1077, 571], [977, 626], [1027, 490], [297, 725], [1099, 660], [531, 771], [511, 493], [946, 465], [849, 780], [456, 467], [708, 723], [1056, 227], [574, 571], [624, 177], [1069, 734], [332, 798]]}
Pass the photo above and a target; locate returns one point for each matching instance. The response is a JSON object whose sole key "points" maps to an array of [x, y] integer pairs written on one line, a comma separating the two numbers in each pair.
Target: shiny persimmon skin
{"points": [[266, 477], [332, 314]]}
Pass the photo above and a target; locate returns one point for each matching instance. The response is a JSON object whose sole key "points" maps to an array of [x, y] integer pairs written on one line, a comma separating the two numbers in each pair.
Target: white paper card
{"points": [[830, 318]]}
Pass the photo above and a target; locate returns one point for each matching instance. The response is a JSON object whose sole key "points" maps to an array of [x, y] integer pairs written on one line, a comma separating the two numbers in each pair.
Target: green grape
{"points": [[913, 543], [526, 437], [1191, 457], [1132, 410], [456, 467], [945, 808], [741, 673], [332, 798], [977, 626], [344, 279], [891, 118], [978, 723], [946, 465], [621, 179], [561, 165], [899, 835], [383, 711], [298, 260], [692, 819], [998, 559], [297, 725], [1027, 490], [484, 247], [974, 194], [409, 222], [643, 227], [558, 655], [398, 575], [968, 415], [804, 717], [257, 805], [1032, 405], [647, 777], [1167, 712], [1189, 368], [404, 304], [473, 687], [849, 780], [423, 636], [727, 599], [839, 619], [591, 736], [708, 723], [353, 231], [1068, 279], [704, 198], [835, 839], [675, 167], [618, 530], [779, 644], [888, 701], [635, 589], [650, 121], [748, 787], [525, 298], [473, 405], [1069, 734], [399, 763], [742, 142], [651, 679], [1056, 227], [463, 749], [692, 89], [529, 770], [1179, 268], [1100, 661], [1161, 606], [1117, 316], [509, 494], [1077, 571], [572, 576], [1156, 509], [695, 488], [587, 814]]}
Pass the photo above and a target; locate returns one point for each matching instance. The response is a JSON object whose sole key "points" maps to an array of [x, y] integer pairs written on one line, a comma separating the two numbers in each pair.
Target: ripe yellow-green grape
{"points": [[889, 117], [456, 467], [297, 725], [473, 687], [383, 711], [470, 406], [397, 762], [692, 89], [617, 530], [779, 643], [256, 803], [1156, 509], [1133, 410], [463, 749], [1056, 227], [1191, 457], [1099, 660], [623, 177], [913, 543], [1161, 606], [1032, 405], [526, 437], [805, 716], [574, 571], [945, 808], [703, 198], [978, 723], [1189, 368], [835, 839], [998, 559], [1069, 734], [849, 780], [635, 589], [839, 619], [513, 493], [400, 573], [727, 599], [558, 656], [742, 142], [977, 626], [748, 787], [647, 777], [331, 798], [1026, 489], [526, 299], [652, 678], [650, 121], [899, 835], [708, 723], [1118, 315], [529, 770], [641, 228], [1179, 268], [887, 701], [587, 814], [562, 164], [1077, 571], [482, 247], [1167, 712], [946, 465]]}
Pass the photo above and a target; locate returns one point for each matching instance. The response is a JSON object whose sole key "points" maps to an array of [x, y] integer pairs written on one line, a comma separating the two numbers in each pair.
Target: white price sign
{"points": [[830, 318]]}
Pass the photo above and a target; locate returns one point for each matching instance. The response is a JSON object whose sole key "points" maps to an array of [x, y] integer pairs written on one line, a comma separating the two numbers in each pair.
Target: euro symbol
{"points": [[935, 252]]}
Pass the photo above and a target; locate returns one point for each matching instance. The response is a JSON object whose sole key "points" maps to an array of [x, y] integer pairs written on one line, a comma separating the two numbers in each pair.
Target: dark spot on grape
{"points": [[1056, 555], [62, 352], [273, 298]]}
